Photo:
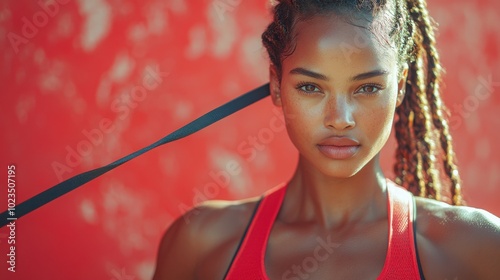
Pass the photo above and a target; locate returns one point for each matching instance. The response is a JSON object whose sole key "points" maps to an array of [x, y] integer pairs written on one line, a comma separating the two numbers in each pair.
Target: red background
{"points": [[86, 56]]}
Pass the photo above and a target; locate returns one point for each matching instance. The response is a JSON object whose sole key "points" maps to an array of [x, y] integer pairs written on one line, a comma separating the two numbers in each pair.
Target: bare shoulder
{"points": [[457, 241], [198, 233], [469, 219]]}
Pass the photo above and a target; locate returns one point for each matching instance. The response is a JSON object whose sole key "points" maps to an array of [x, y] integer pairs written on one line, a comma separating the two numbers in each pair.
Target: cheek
{"points": [[295, 116], [378, 123], [300, 119]]}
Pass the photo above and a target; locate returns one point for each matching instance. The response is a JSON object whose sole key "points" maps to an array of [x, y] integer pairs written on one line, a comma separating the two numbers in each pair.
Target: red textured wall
{"points": [[103, 78]]}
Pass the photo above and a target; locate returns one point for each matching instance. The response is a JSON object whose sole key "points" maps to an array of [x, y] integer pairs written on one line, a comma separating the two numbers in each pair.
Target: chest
{"points": [[301, 253], [353, 254]]}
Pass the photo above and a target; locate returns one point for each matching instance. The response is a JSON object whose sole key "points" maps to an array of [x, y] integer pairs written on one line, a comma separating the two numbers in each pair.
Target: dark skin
{"points": [[341, 201]]}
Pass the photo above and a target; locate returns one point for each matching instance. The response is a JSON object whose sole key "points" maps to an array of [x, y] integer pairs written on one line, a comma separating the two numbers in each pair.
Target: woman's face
{"points": [[338, 91]]}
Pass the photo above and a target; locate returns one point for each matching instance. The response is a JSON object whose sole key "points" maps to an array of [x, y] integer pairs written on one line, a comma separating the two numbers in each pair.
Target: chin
{"points": [[339, 169], [341, 173]]}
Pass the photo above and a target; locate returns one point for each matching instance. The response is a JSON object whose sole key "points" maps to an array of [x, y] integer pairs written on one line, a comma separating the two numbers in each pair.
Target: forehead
{"points": [[340, 44]]}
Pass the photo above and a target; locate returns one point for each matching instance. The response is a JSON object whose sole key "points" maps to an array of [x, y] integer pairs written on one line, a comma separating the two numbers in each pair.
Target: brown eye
{"points": [[308, 88], [369, 89]]}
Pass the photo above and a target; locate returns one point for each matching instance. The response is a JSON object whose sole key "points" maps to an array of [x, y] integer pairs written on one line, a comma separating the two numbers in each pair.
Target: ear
{"points": [[274, 84], [402, 86]]}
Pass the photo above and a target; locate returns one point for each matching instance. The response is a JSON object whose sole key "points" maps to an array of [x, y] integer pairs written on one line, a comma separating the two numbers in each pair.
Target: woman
{"points": [[342, 71]]}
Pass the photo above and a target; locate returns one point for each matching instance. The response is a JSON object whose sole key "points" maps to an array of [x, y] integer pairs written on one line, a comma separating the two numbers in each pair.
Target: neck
{"points": [[313, 197]]}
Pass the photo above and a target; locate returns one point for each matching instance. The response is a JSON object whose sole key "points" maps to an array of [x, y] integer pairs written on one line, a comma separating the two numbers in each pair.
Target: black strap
{"points": [[74, 182], [250, 221], [414, 223]]}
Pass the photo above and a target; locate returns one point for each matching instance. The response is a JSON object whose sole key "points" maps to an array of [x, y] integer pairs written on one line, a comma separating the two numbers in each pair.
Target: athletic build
{"points": [[343, 72]]}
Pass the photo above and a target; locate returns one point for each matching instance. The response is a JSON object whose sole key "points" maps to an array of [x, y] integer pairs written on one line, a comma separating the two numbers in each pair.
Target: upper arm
{"points": [[484, 244], [177, 254], [200, 234], [474, 245], [458, 242]]}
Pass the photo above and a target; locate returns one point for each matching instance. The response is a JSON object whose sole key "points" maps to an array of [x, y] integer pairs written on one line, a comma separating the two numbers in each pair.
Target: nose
{"points": [[339, 113]]}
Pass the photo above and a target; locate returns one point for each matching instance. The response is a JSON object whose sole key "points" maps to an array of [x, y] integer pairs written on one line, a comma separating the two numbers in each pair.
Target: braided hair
{"points": [[425, 160]]}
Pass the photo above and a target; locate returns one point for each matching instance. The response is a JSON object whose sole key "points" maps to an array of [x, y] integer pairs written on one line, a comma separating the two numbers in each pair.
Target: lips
{"points": [[339, 147]]}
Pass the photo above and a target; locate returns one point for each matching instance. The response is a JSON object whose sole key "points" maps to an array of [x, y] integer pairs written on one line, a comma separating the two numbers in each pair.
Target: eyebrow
{"points": [[362, 76], [371, 74], [312, 74]]}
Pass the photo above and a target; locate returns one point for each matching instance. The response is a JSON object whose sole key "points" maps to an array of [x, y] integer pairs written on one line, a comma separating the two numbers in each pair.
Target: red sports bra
{"points": [[401, 261]]}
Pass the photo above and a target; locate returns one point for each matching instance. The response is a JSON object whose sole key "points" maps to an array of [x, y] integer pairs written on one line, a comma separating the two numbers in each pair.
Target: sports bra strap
{"points": [[253, 247], [401, 260]]}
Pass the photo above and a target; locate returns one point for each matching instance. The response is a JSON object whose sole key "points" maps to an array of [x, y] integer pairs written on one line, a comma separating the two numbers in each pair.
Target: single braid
{"points": [[417, 125], [423, 133], [404, 167]]}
